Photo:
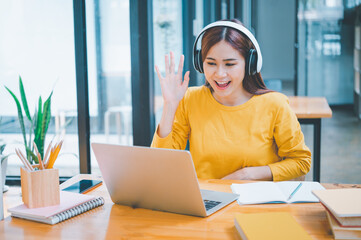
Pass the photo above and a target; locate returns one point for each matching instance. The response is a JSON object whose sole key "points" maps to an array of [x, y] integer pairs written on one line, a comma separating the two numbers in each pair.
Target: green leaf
{"points": [[3, 157], [39, 120], [37, 129], [33, 125], [35, 121], [31, 156], [45, 123], [20, 114], [23, 99], [2, 148]]}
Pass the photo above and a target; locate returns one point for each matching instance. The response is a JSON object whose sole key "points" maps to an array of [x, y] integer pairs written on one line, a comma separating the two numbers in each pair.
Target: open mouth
{"points": [[222, 84]]}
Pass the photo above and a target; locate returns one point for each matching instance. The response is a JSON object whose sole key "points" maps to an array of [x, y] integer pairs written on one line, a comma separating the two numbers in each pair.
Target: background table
{"points": [[113, 221], [310, 110]]}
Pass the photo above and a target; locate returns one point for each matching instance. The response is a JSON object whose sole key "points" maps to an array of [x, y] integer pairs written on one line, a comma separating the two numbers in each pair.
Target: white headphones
{"points": [[253, 60]]}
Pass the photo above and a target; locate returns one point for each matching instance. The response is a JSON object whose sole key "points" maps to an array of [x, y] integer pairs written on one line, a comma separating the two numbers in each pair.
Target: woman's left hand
{"points": [[241, 174], [252, 173]]}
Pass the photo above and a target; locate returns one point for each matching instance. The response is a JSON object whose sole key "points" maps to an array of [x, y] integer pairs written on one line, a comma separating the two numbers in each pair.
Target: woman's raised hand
{"points": [[173, 86]]}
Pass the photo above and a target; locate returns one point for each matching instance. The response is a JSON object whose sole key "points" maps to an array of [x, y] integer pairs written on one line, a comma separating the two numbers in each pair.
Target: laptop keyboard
{"points": [[210, 204]]}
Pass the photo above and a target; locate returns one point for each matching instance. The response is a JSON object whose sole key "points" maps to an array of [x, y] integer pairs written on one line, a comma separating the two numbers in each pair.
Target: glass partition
{"points": [[325, 50]]}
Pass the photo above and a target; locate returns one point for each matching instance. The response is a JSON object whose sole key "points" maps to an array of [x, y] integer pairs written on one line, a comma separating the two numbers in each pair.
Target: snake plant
{"points": [[39, 122]]}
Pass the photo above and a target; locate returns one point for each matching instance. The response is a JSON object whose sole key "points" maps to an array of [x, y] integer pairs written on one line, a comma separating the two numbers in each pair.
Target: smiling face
{"points": [[224, 69]]}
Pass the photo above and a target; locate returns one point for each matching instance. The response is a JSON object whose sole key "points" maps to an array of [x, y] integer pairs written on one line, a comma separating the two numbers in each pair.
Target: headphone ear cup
{"points": [[251, 62], [198, 63]]}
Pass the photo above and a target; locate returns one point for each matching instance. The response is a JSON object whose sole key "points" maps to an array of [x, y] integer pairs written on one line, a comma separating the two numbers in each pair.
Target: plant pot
{"points": [[1, 193], [4, 165], [40, 188]]}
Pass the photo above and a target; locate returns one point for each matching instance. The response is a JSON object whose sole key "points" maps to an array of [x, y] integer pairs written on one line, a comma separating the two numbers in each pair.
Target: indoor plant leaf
{"points": [[39, 118], [23, 99], [38, 124], [31, 156], [20, 114], [45, 123]]}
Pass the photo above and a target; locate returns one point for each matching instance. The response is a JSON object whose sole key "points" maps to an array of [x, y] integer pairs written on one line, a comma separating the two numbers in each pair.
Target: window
{"points": [[37, 43], [167, 27], [110, 100]]}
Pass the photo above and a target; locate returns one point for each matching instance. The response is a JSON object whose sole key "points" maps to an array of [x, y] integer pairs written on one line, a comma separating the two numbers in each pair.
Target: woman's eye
{"points": [[230, 64], [211, 63]]}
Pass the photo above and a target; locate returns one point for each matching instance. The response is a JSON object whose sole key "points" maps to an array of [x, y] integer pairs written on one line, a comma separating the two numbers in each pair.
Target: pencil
{"points": [[24, 160], [54, 157], [61, 144], [21, 159], [41, 165], [50, 156], [46, 159]]}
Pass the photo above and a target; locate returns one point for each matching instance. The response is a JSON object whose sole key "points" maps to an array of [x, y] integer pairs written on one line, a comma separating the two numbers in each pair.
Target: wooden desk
{"points": [[113, 221], [310, 110]]}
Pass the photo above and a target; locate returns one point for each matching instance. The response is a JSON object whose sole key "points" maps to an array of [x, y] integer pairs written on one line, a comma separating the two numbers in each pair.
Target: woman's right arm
{"points": [[173, 89]]}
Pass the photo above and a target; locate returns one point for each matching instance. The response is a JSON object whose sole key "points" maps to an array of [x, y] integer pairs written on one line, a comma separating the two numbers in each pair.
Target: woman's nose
{"points": [[221, 72]]}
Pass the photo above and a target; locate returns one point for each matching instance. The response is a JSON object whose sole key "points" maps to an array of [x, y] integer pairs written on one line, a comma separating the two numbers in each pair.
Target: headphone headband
{"points": [[238, 27]]}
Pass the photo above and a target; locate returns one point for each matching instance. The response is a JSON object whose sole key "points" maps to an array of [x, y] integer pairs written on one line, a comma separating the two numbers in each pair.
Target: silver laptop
{"points": [[158, 179]]}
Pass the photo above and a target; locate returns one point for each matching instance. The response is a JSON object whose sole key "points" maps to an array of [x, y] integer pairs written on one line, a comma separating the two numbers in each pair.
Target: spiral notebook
{"points": [[71, 204]]}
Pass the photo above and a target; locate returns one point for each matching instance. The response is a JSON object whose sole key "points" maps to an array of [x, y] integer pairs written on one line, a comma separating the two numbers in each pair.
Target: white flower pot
{"points": [[4, 165], [1, 189]]}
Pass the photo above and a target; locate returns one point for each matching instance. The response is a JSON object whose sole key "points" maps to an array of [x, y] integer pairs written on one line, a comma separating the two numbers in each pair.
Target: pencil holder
{"points": [[40, 188]]}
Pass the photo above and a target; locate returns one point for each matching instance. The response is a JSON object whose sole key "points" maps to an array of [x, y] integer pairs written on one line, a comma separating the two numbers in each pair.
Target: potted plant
{"points": [[3, 164], [37, 123], [2, 175]]}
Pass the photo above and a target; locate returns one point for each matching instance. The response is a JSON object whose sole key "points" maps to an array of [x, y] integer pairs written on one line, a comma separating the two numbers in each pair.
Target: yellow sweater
{"points": [[223, 139]]}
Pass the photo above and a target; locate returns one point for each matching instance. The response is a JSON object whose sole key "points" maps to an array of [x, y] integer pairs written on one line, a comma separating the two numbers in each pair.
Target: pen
{"points": [[294, 191]]}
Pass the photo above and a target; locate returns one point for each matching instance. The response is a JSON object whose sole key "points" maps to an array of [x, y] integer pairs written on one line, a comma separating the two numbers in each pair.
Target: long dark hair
{"points": [[251, 83]]}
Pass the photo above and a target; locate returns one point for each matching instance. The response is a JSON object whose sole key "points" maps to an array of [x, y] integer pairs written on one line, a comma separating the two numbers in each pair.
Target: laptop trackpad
{"points": [[215, 200]]}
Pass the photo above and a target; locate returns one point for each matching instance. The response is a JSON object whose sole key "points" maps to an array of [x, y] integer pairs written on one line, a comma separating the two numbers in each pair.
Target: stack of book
{"points": [[343, 209]]}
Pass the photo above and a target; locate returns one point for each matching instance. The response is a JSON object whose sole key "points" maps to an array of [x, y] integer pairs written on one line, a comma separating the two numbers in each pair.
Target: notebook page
{"points": [[67, 200], [303, 194], [260, 192]]}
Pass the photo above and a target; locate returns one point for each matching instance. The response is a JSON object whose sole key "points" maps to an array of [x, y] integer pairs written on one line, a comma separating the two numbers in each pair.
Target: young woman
{"points": [[236, 127]]}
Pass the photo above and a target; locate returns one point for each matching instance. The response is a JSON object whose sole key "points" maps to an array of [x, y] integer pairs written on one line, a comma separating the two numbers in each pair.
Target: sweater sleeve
{"points": [[177, 138], [296, 157]]}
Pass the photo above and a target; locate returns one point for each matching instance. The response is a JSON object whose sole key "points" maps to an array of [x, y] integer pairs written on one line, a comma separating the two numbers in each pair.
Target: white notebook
{"points": [[275, 192], [71, 204]]}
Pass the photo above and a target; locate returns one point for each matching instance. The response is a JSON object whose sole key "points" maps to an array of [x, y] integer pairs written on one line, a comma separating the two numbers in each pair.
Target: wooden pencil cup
{"points": [[40, 188]]}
